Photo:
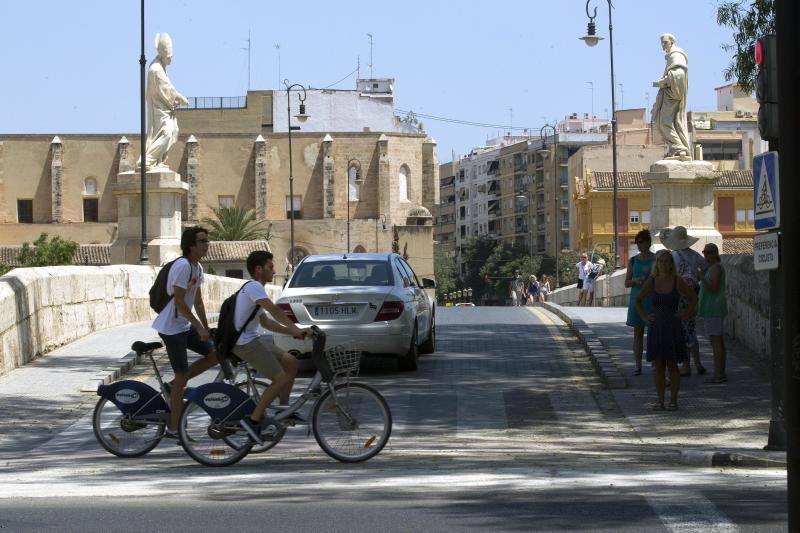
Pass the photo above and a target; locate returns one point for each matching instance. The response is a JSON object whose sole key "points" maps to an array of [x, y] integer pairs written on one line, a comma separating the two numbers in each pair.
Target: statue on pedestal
{"points": [[669, 111], [162, 100]]}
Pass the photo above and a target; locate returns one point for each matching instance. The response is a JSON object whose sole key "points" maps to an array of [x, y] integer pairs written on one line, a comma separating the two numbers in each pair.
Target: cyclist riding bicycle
{"points": [[258, 350]]}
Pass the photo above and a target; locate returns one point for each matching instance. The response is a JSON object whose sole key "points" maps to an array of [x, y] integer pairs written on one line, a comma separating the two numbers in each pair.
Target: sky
{"points": [[73, 67]]}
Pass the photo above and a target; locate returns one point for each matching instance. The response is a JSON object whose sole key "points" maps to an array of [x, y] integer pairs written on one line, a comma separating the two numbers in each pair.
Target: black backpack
{"points": [[159, 298], [226, 335]]}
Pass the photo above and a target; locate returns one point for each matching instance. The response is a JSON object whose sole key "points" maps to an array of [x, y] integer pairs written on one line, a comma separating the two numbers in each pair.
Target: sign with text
{"points": [[765, 251], [766, 191]]}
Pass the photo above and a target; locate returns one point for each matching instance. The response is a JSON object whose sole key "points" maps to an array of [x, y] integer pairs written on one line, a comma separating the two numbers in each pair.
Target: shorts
{"points": [[178, 344], [261, 354], [713, 326], [580, 284], [588, 285]]}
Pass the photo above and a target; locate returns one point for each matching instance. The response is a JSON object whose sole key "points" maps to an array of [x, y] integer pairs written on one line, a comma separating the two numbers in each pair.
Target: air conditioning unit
{"points": [[739, 113]]}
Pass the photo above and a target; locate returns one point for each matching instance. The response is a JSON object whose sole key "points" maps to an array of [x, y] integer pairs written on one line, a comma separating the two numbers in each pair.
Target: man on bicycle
{"points": [[178, 327], [258, 350]]}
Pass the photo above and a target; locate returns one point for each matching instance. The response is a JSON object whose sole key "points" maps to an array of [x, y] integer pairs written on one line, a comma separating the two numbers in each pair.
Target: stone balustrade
{"points": [[747, 294], [46, 307]]}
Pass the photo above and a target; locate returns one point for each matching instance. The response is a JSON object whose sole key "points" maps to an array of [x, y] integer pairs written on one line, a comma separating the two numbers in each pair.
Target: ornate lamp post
{"points": [[591, 40], [143, 256], [301, 117], [544, 152]]}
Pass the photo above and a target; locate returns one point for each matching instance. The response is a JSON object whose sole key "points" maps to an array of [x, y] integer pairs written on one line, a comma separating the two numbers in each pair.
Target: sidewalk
{"points": [[719, 425], [46, 393]]}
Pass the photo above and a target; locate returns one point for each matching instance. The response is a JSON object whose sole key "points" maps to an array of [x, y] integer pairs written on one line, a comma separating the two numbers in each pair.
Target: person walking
{"points": [[517, 289], [595, 271], [665, 344], [544, 288], [639, 268], [713, 307], [533, 290], [583, 266], [687, 264]]}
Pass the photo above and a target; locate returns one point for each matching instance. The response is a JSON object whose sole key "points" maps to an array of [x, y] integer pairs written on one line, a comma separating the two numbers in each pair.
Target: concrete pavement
{"points": [[716, 425]]}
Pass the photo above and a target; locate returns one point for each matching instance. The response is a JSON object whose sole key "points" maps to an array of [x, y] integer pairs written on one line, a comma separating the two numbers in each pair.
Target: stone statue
{"points": [[669, 111], [162, 100]]}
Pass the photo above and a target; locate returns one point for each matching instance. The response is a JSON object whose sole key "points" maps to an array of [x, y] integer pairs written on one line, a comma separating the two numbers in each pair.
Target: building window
{"points": [[740, 215], [295, 204], [299, 254], [645, 217], [234, 273], [225, 201], [721, 150], [90, 210], [634, 217], [359, 250], [750, 215], [25, 211], [402, 183], [354, 182], [90, 186]]}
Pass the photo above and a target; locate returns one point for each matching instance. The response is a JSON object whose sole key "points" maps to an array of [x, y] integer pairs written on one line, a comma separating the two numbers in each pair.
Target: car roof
{"points": [[343, 256]]}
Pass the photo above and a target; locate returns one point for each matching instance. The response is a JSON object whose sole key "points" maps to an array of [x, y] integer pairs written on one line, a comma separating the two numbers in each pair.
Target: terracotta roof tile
{"points": [[86, 254], [736, 178], [233, 250], [737, 245], [635, 180]]}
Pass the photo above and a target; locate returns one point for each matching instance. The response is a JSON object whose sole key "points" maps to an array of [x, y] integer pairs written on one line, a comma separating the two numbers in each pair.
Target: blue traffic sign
{"points": [[766, 191]]}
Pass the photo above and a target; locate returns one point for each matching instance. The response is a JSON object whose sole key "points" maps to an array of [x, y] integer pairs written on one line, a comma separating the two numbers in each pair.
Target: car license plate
{"points": [[332, 311]]}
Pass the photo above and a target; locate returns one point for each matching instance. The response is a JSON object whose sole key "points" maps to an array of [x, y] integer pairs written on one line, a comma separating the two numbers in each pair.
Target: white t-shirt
{"points": [[583, 269], [186, 276], [251, 292]]}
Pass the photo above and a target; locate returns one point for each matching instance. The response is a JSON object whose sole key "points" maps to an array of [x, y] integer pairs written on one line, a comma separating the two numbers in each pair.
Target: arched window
{"points": [[90, 186], [402, 183], [299, 254], [359, 250], [354, 182]]}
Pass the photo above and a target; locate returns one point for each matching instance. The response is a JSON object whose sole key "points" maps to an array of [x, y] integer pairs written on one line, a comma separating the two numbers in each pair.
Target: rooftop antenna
{"points": [[511, 120], [277, 47], [370, 55], [248, 59]]}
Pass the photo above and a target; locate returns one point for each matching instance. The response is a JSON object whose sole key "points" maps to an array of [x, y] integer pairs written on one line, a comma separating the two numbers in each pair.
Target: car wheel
{"points": [[411, 359], [429, 346]]}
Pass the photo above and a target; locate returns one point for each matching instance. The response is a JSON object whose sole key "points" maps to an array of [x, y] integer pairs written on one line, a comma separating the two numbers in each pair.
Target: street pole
{"points": [[302, 117], [357, 170], [143, 256], [556, 191], [787, 20]]}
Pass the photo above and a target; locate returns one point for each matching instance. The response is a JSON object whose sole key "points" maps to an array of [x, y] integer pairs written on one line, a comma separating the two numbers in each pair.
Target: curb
{"points": [[734, 459], [597, 352], [121, 367]]}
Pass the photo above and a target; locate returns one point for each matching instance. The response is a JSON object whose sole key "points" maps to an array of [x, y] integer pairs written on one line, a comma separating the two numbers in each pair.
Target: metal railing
{"points": [[216, 102]]}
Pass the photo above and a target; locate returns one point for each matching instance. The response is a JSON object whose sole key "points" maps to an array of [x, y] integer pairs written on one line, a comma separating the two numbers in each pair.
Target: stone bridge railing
{"points": [[43, 308], [747, 293]]}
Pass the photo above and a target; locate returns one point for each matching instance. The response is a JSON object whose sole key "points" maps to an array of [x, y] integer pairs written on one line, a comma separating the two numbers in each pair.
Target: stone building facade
{"points": [[231, 156]]}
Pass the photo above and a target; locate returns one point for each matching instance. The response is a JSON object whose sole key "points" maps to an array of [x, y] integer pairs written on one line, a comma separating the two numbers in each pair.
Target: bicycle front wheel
{"points": [[354, 424], [122, 435], [211, 442]]}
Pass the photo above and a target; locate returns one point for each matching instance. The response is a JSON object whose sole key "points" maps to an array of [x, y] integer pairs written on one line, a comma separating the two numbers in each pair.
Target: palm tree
{"points": [[236, 224]]}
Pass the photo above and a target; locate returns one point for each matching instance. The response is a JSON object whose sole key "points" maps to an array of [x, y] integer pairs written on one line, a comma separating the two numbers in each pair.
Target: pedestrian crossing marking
{"points": [[765, 205]]}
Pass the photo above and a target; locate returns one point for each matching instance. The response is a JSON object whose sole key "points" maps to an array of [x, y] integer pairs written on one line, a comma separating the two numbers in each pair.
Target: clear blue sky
{"points": [[73, 66]]}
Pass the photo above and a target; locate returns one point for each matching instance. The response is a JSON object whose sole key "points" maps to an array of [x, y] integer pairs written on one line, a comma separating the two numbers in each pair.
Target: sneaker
{"points": [[252, 428], [169, 434], [637, 371]]}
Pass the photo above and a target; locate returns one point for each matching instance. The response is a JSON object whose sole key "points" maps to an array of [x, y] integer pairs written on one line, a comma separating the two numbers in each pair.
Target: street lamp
{"points": [[530, 228], [591, 40], [544, 152], [301, 117], [143, 257]]}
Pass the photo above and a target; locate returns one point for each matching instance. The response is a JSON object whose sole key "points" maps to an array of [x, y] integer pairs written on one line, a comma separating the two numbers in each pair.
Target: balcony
{"points": [[565, 204], [565, 225]]}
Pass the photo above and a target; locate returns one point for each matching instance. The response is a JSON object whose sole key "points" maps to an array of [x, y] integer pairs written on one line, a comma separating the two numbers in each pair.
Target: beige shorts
{"points": [[261, 354]]}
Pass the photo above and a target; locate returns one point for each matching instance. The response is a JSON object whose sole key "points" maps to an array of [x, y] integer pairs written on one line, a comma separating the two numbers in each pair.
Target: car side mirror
{"points": [[428, 283]]}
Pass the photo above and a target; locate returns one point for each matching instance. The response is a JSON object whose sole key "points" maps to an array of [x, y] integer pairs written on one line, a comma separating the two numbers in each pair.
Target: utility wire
{"points": [[338, 82], [467, 122]]}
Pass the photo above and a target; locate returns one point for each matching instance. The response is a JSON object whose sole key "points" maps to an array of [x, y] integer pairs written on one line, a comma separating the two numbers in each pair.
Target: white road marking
{"points": [[689, 512]]}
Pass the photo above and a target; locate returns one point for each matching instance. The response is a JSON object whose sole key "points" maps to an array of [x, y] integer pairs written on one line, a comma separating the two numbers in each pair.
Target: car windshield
{"points": [[367, 273]]}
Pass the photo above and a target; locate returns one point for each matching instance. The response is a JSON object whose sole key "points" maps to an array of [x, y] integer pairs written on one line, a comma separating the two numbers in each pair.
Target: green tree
{"points": [[56, 251], [4, 269], [236, 224], [444, 269], [475, 253], [749, 21]]}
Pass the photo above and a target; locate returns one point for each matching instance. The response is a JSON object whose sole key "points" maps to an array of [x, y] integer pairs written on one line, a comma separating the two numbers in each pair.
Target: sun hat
{"points": [[676, 238]]}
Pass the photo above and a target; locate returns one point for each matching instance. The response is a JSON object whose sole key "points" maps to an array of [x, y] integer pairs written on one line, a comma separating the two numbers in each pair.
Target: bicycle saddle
{"points": [[143, 347]]}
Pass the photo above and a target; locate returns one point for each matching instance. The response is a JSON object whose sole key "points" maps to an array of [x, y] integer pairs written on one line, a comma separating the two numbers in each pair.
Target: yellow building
{"points": [[592, 197]]}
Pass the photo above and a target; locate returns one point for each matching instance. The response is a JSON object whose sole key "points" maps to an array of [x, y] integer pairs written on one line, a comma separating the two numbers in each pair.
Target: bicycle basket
{"points": [[343, 359]]}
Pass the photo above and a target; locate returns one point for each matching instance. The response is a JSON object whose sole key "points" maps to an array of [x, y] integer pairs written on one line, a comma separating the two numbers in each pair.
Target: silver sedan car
{"points": [[370, 302]]}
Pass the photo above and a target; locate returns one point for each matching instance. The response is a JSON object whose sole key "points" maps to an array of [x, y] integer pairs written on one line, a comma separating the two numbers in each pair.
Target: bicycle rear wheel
{"points": [[210, 442], [121, 435], [354, 425]]}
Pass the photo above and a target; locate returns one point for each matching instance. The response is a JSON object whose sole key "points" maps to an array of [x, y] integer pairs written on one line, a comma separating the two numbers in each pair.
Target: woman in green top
{"points": [[639, 268], [713, 307]]}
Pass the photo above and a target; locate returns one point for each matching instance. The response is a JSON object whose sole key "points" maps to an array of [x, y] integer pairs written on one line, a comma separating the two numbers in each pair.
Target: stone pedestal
{"points": [[165, 192], [682, 194]]}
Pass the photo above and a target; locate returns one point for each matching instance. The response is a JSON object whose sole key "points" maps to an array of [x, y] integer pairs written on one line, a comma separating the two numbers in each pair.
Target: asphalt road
{"points": [[504, 428]]}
